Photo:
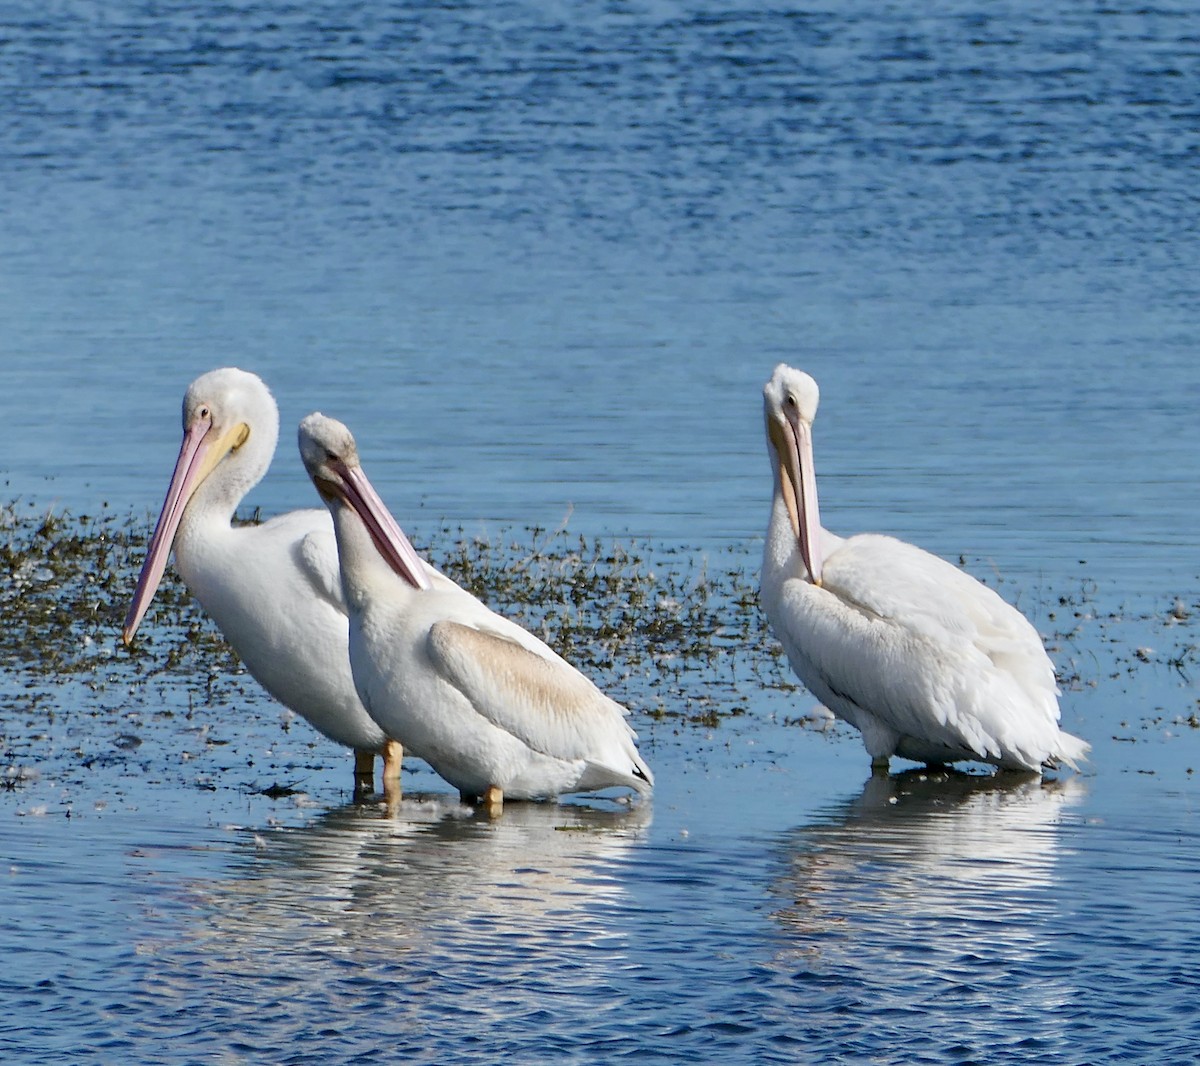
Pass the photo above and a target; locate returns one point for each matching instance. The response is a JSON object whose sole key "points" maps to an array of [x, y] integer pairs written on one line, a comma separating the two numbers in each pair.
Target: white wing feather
{"points": [[950, 662], [544, 702], [318, 561]]}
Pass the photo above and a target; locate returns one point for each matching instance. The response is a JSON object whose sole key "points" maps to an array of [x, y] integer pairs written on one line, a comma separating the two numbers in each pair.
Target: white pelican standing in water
{"points": [[273, 589], [922, 659], [489, 706]]}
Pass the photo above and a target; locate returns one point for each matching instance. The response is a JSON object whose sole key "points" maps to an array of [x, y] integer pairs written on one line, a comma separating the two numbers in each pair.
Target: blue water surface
{"points": [[541, 258]]}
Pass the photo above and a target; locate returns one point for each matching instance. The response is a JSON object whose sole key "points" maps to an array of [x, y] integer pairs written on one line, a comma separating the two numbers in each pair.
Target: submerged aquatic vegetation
{"points": [[675, 634], [70, 582], [640, 624], [623, 615]]}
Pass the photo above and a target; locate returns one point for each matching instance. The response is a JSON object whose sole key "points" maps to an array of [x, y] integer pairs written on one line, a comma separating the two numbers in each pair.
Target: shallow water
{"points": [[541, 258], [769, 905]]}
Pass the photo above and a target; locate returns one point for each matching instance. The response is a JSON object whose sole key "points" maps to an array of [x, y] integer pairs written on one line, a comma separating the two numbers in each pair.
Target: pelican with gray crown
{"points": [[489, 706]]}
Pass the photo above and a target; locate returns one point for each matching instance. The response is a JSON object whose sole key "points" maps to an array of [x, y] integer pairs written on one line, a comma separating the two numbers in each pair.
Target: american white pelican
{"points": [[273, 589], [922, 659], [489, 706]]}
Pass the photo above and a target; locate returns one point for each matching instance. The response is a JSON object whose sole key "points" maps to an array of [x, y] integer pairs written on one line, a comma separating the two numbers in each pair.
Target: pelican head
{"points": [[330, 456], [230, 425], [790, 401]]}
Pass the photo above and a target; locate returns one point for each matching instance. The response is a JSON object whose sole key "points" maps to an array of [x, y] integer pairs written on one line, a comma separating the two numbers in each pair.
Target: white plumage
{"points": [[273, 589], [926, 662], [493, 709]]}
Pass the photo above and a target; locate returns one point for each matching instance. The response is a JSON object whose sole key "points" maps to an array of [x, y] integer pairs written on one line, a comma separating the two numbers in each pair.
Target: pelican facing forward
{"points": [[926, 662], [489, 706], [272, 589]]}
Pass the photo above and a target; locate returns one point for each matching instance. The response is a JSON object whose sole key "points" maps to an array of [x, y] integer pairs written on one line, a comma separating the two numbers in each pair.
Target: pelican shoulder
{"points": [[955, 668], [317, 560], [930, 597]]}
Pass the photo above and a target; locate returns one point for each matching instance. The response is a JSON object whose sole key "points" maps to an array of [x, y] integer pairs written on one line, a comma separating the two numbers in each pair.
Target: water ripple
{"points": [[976, 223]]}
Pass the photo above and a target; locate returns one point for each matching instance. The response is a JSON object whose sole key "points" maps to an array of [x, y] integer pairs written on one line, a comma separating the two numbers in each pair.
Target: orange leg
{"points": [[393, 756], [492, 801]]}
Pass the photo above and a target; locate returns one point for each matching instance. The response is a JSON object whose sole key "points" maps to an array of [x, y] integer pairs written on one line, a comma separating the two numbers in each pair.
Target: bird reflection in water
{"points": [[928, 853], [927, 915], [374, 884]]}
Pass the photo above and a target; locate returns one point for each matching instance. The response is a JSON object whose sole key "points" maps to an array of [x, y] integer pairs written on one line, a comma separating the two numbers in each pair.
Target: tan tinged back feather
{"points": [[545, 703]]}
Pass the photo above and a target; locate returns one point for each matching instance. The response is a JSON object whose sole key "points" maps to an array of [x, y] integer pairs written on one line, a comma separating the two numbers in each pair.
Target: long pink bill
{"points": [[385, 531], [810, 515], [183, 484]]}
